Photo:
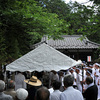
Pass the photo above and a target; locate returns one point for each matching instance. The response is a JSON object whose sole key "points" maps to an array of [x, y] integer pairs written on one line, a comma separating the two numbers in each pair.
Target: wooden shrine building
{"points": [[74, 47]]}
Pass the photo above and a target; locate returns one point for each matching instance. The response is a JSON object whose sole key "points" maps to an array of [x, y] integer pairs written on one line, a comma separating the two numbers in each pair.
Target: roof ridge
{"points": [[71, 35], [93, 43]]}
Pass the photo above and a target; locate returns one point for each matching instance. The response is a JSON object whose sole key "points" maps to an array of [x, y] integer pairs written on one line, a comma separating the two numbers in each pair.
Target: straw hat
{"points": [[33, 81]]}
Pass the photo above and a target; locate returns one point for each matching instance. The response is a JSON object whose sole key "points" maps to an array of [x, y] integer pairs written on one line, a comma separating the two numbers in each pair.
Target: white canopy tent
{"points": [[43, 58]]}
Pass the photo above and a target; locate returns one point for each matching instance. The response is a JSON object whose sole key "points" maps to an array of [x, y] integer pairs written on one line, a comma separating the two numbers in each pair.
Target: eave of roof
{"points": [[71, 42]]}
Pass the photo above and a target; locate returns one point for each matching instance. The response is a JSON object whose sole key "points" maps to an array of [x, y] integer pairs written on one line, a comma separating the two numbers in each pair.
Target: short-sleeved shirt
{"points": [[71, 94]]}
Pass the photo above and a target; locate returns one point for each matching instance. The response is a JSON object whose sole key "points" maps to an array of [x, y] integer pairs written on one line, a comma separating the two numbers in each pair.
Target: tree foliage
{"points": [[22, 23]]}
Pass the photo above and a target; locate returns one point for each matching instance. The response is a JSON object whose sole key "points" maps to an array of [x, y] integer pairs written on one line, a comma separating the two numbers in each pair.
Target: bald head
{"points": [[11, 84]]}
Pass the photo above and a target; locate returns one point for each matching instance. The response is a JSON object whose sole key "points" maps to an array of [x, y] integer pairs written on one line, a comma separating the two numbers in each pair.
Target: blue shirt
{"points": [[71, 94], [5, 97]]}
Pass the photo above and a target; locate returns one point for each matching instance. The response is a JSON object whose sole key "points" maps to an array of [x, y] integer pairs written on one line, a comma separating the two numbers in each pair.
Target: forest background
{"points": [[24, 22]]}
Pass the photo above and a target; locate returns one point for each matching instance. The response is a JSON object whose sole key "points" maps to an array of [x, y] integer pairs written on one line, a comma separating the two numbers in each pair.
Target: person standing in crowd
{"points": [[45, 79], [99, 86], [96, 74], [70, 93], [91, 92], [50, 78], [55, 76], [74, 75], [19, 81], [33, 85], [21, 94], [4, 96], [88, 73], [10, 89], [61, 79], [56, 93], [93, 70], [79, 80], [42, 94]]}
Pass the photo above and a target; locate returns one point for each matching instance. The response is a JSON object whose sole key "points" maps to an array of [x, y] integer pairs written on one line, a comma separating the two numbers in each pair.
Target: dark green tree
{"points": [[22, 23]]}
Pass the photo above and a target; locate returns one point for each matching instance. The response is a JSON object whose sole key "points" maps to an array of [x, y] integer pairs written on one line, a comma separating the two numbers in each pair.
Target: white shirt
{"points": [[61, 79], [90, 85], [55, 95], [71, 94], [74, 74], [79, 78], [19, 81], [51, 90]]}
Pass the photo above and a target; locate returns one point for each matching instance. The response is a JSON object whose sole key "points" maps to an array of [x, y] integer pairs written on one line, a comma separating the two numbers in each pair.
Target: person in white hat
{"points": [[72, 71], [21, 94], [93, 70], [79, 80], [96, 74], [99, 86]]}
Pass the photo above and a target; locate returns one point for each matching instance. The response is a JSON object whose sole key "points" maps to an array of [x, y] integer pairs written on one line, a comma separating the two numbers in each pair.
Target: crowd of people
{"points": [[76, 83]]}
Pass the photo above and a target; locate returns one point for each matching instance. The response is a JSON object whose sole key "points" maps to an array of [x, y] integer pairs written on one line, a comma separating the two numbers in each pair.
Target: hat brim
{"points": [[38, 83]]}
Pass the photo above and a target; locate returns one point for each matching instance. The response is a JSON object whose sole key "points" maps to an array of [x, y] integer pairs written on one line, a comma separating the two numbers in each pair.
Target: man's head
{"points": [[97, 65], [56, 85], [77, 70], [68, 80], [11, 84], [2, 86], [42, 94], [71, 70], [89, 80]]}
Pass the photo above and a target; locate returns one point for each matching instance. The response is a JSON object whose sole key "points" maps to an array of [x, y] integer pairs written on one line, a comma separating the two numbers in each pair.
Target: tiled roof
{"points": [[71, 42]]}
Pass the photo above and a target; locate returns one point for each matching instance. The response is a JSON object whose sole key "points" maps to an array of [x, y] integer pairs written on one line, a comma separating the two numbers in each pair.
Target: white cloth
{"points": [[71, 94], [19, 81], [55, 95]]}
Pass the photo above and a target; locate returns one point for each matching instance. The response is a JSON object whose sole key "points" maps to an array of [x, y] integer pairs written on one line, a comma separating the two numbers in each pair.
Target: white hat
{"points": [[21, 94], [78, 69], [97, 64], [91, 65], [71, 69]]}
